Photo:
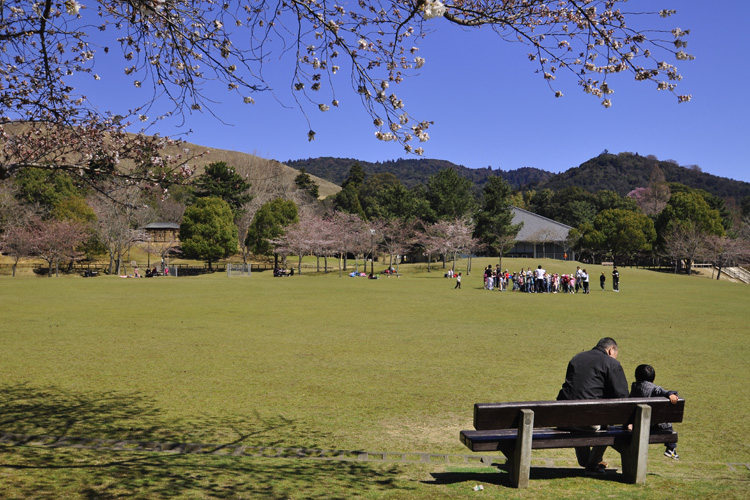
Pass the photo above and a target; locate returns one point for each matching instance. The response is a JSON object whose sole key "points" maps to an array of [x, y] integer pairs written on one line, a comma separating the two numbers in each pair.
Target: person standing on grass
{"points": [[615, 279], [458, 281], [594, 374], [602, 280], [539, 279], [585, 278]]}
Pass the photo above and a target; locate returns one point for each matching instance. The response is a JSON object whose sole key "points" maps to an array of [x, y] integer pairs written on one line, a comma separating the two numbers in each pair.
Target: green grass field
{"points": [[318, 361]]}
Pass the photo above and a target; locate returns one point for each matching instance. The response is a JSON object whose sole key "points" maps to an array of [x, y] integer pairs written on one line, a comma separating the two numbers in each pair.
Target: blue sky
{"points": [[491, 109]]}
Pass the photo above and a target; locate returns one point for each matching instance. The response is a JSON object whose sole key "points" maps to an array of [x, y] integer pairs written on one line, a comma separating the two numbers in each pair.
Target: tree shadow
{"points": [[47, 471]]}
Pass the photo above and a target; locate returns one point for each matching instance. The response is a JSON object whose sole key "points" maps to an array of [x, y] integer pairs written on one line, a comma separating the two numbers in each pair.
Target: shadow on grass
{"points": [[501, 477], [32, 472]]}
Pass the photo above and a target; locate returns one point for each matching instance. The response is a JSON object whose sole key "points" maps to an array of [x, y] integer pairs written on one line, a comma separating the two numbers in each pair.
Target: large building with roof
{"points": [[540, 237]]}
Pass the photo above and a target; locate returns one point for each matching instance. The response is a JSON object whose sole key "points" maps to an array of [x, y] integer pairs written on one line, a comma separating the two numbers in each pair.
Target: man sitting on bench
{"points": [[594, 374]]}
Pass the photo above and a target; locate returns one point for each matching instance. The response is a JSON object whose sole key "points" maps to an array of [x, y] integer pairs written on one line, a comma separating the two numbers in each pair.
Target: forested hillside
{"points": [[621, 173], [412, 172], [626, 171]]}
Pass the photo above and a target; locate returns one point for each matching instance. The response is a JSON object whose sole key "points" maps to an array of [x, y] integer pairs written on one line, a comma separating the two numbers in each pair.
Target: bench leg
{"points": [[520, 466], [635, 455]]}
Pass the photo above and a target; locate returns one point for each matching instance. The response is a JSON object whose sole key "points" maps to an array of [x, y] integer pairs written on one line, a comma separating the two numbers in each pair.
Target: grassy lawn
{"points": [[318, 361]]}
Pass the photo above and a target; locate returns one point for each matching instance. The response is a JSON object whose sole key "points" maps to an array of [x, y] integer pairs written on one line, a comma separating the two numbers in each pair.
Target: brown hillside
{"points": [[257, 169], [261, 173]]}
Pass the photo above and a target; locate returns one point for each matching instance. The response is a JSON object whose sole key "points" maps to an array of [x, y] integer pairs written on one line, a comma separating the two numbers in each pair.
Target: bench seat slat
{"points": [[546, 438]]}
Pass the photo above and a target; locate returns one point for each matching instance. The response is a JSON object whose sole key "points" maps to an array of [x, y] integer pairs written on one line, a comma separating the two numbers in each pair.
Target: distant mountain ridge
{"points": [[415, 171], [620, 172]]}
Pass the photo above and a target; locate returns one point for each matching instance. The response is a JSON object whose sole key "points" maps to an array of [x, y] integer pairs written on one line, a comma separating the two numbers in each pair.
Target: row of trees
{"points": [[220, 217], [666, 220], [442, 222], [110, 218]]}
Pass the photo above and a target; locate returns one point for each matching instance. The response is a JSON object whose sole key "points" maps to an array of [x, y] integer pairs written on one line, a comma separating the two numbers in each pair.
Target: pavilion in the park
{"points": [[540, 237]]}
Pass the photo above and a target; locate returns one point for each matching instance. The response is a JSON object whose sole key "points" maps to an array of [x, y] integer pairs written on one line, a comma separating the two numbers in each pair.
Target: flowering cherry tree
{"points": [[56, 240], [350, 235], [18, 242], [396, 237], [178, 50], [298, 239]]}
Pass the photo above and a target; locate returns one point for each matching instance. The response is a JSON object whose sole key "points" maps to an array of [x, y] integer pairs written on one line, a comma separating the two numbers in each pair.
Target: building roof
{"points": [[156, 226], [537, 228]]}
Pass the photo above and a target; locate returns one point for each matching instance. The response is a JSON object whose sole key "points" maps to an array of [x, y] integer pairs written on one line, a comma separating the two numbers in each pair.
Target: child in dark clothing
{"points": [[644, 387]]}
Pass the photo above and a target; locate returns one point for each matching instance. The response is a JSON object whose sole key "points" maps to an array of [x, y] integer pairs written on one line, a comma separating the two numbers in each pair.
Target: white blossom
{"points": [[432, 9], [419, 62], [72, 7], [249, 100]]}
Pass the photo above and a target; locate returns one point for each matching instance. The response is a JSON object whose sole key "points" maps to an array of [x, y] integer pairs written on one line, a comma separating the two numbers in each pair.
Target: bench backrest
{"points": [[492, 416]]}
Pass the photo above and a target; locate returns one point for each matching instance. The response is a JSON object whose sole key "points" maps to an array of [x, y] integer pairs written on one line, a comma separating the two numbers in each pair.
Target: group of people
{"points": [[596, 374], [150, 273], [540, 281]]}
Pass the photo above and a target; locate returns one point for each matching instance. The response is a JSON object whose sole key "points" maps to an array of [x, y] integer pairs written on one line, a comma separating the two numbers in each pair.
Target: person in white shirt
{"points": [[539, 281], [585, 278]]}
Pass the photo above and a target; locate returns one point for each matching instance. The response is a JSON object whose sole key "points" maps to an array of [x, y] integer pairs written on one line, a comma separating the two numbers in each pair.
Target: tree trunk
{"points": [[299, 265]]}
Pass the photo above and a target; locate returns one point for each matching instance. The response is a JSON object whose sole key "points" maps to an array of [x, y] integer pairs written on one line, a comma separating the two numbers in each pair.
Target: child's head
{"points": [[645, 373]]}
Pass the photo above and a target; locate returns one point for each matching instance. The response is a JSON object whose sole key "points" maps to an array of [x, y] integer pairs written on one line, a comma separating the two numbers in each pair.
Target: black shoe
{"points": [[597, 469]]}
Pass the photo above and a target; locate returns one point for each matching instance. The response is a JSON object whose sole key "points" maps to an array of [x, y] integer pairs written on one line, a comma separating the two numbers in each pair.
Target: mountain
{"points": [[621, 172], [624, 172], [416, 171]]}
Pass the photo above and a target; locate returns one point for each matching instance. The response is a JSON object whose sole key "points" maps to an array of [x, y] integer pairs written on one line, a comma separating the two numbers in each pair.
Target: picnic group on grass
{"points": [[596, 374], [540, 281]]}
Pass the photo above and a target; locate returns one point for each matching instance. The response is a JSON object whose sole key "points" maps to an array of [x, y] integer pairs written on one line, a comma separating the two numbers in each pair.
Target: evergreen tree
{"points": [[494, 220], [221, 181], [450, 195], [269, 224], [304, 183], [207, 231]]}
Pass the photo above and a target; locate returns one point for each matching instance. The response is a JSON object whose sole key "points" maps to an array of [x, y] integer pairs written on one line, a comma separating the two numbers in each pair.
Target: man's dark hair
{"points": [[645, 373], [606, 343]]}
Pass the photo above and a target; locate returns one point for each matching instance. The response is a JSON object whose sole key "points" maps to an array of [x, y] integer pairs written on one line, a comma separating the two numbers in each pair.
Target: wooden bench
{"points": [[516, 428]]}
